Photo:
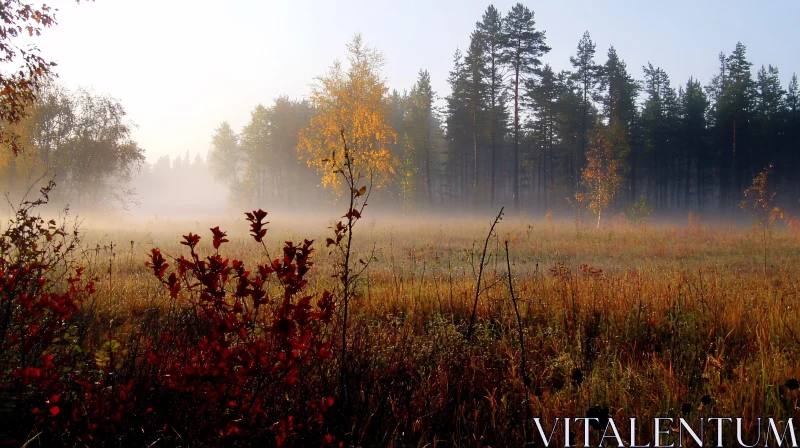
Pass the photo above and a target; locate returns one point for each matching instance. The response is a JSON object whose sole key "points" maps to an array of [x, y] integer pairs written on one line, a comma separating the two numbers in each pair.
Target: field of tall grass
{"points": [[646, 321]]}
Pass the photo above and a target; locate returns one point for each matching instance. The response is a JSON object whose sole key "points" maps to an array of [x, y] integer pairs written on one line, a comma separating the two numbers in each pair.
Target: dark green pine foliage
{"points": [[691, 147], [491, 30], [523, 46], [768, 116], [458, 133], [476, 95], [660, 127], [421, 126], [619, 93], [695, 145], [588, 75], [543, 94], [733, 93], [569, 131], [790, 154]]}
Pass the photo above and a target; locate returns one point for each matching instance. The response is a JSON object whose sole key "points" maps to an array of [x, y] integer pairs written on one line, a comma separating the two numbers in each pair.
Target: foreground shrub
{"points": [[40, 293], [234, 369], [226, 365]]}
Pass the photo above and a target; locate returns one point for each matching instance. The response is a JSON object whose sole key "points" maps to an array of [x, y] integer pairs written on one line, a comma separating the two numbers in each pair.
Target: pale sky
{"points": [[181, 67]]}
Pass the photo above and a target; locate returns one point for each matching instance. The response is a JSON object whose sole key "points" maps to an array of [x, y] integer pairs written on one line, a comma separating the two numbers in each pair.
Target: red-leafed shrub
{"points": [[230, 362], [255, 333], [40, 294]]}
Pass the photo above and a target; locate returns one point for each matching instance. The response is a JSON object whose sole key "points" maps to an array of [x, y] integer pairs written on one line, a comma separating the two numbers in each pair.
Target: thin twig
{"points": [[480, 273], [525, 379]]}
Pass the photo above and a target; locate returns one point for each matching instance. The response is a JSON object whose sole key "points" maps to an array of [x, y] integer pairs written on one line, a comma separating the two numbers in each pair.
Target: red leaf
{"points": [[219, 237], [191, 240], [48, 360]]}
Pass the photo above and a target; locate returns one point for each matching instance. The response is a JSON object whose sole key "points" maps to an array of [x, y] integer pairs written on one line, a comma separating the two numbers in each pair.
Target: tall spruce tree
{"points": [[695, 143], [523, 46], [420, 135], [791, 146], [544, 93], [476, 93], [457, 129], [619, 95], [491, 29], [587, 74], [570, 113], [768, 117]]}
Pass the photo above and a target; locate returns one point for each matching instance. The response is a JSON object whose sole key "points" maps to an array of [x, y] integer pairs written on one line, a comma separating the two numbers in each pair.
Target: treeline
{"points": [[519, 132], [260, 164], [680, 146], [514, 131], [511, 131]]}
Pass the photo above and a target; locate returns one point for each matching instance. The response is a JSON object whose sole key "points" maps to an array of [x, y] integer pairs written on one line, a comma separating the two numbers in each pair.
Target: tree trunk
{"points": [[475, 156], [688, 179], [493, 134], [428, 147], [516, 139], [493, 165], [582, 153]]}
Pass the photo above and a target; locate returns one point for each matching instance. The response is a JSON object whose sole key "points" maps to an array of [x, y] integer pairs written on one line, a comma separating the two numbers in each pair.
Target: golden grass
{"points": [[668, 315]]}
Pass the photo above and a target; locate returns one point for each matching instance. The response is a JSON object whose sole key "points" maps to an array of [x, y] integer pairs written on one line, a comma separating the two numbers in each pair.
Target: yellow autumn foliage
{"points": [[19, 171], [605, 169], [352, 100]]}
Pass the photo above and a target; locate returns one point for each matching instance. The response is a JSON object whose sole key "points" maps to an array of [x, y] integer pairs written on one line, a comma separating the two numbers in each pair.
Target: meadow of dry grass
{"points": [[660, 320]]}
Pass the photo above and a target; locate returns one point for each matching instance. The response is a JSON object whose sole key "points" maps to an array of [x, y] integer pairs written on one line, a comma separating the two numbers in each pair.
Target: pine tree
{"points": [[458, 128], [695, 145], [657, 120], [397, 104], [587, 74], [768, 117], [420, 133], [491, 30], [544, 94], [620, 90], [476, 94], [791, 145], [523, 46], [793, 96], [570, 113], [738, 98], [620, 93]]}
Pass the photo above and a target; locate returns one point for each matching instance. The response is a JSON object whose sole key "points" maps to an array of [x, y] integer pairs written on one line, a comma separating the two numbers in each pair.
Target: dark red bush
{"points": [[228, 364], [253, 345]]}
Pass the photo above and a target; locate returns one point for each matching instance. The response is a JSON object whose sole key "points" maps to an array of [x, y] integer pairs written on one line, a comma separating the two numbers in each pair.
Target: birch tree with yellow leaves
{"points": [[351, 99], [605, 169]]}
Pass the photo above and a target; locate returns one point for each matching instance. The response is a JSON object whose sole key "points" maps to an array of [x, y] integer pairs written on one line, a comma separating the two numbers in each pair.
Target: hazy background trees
{"points": [[511, 130], [81, 140], [179, 187]]}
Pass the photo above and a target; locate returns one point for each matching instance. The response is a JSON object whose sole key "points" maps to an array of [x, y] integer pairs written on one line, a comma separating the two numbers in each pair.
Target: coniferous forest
{"points": [[511, 130]]}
